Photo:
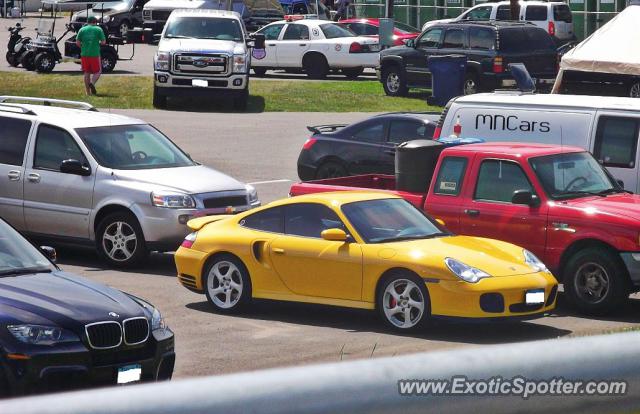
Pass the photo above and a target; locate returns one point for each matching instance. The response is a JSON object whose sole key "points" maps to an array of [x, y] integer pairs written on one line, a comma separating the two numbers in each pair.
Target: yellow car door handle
{"points": [[277, 250]]}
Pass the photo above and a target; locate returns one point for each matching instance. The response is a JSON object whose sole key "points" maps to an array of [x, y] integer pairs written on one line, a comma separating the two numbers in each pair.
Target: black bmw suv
{"points": [[489, 47]]}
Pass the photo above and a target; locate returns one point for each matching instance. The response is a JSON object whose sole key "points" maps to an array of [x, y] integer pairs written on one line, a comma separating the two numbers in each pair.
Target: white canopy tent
{"points": [[614, 48]]}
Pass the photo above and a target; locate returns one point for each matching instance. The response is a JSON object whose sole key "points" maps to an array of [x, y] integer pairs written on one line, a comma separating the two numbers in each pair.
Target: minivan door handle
{"points": [[33, 177], [14, 175], [471, 212]]}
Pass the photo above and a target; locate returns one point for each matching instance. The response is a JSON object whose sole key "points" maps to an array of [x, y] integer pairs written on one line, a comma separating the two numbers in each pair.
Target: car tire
{"points": [[591, 270], [634, 90], [241, 100], [471, 83], [44, 62], [352, 73], [27, 60], [120, 241], [394, 81], [331, 169], [159, 99], [123, 28], [108, 60], [259, 72], [12, 59], [227, 284], [403, 302], [315, 65]]}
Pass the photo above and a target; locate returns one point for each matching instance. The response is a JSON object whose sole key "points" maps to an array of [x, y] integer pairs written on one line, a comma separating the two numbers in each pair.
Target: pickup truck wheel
{"points": [[471, 84], [394, 81], [159, 99], [120, 241], [403, 302], [260, 72], [330, 169], [315, 66], [227, 283], [108, 60], [352, 73], [595, 281]]}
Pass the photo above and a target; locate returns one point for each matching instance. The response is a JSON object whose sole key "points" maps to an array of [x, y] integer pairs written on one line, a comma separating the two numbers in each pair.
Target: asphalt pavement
{"points": [[263, 148]]}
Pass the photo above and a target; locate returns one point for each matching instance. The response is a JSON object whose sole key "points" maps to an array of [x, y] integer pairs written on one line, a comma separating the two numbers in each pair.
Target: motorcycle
{"points": [[17, 45]]}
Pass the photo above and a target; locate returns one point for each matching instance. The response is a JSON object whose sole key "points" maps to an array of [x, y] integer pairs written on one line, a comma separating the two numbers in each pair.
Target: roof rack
{"points": [[16, 109], [47, 102]]}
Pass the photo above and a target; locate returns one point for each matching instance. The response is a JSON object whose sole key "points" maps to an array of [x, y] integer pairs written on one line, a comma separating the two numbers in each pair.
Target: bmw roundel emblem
{"points": [[114, 315]]}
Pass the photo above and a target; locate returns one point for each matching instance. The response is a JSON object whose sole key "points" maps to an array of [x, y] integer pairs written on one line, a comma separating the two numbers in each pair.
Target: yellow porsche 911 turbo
{"points": [[361, 250]]}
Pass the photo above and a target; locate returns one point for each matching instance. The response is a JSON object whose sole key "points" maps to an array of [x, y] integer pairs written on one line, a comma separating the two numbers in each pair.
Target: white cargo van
{"points": [[606, 126]]}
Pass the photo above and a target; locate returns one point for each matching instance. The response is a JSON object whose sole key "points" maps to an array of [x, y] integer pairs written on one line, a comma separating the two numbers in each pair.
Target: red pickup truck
{"points": [[557, 202]]}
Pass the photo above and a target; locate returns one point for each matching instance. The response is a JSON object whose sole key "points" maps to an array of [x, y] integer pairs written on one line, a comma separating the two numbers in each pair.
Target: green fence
{"points": [[588, 15]]}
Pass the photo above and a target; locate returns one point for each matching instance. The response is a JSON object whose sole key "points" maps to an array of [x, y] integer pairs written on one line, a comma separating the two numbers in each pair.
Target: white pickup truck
{"points": [[204, 52]]}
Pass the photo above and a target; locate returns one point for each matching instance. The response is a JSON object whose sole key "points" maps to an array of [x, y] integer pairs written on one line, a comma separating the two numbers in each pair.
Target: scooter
{"points": [[17, 45]]}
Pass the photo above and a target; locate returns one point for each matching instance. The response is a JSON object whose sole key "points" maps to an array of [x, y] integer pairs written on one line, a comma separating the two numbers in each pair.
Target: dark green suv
{"points": [[489, 47]]}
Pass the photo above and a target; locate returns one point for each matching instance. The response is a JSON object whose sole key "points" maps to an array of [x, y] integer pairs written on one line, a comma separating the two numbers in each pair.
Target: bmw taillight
{"points": [[309, 143], [355, 48], [497, 65], [189, 240], [552, 28]]}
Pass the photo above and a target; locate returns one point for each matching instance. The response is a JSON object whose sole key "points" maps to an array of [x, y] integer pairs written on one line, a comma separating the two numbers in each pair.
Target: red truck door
{"points": [[489, 212], [445, 200]]}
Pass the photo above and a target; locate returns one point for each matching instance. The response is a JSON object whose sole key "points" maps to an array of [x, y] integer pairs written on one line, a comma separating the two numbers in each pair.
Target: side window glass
{"points": [[54, 145], [453, 39], [503, 13], [616, 142], [480, 38], [270, 220], [481, 13], [450, 176], [13, 140], [401, 131], [536, 13], [272, 32], [296, 32], [430, 38], [310, 220], [299, 8], [497, 180], [370, 133]]}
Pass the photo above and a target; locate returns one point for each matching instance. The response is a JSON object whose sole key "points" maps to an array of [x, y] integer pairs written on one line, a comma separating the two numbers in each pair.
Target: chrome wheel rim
{"points": [[119, 241], [45, 63], [224, 284], [403, 303], [634, 92], [393, 82], [592, 283], [124, 28], [469, 87]]}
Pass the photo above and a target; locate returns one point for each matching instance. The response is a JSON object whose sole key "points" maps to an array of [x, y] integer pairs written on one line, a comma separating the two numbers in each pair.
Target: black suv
{"points": [[488, 46]]}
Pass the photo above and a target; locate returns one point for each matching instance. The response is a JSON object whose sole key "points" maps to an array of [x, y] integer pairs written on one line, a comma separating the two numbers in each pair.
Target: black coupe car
{"points": [[59, 331], [365, 147]]}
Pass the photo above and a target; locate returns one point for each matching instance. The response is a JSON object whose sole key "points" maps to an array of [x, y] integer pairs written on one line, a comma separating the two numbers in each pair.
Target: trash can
{"points": [[447, 77], [415, 162]]}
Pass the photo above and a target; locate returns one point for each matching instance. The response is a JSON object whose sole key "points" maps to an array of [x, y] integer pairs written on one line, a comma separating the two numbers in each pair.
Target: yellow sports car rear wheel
{"points": [[227, 283], [403, 301]]}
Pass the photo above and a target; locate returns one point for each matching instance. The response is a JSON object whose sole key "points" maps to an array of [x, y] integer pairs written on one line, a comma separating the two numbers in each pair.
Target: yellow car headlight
{"points": [[465, 272], [533, 262]]}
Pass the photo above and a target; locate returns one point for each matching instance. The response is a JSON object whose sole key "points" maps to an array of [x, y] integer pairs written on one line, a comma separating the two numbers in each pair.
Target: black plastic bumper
{"points": [[74, 366]]}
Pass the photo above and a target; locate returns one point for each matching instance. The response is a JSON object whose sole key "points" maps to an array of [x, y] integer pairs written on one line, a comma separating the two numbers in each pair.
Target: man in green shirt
{"points": [[89, 39]]}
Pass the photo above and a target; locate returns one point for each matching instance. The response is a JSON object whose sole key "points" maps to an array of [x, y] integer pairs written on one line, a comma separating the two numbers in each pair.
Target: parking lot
{"points": [[273, 334]]}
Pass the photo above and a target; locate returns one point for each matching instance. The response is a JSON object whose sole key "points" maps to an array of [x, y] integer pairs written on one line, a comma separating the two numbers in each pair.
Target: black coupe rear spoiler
{"points": [[319, 129]]}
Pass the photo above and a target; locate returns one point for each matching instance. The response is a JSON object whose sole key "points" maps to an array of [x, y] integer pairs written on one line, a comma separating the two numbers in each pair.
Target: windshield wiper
{"points": [[614, 191], [24, 271], [569, 194], [178, 37]]}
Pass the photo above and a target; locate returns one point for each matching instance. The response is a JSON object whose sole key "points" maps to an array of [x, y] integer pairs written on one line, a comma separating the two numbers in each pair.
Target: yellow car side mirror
{"points": [[334, 235], [440, 222]]}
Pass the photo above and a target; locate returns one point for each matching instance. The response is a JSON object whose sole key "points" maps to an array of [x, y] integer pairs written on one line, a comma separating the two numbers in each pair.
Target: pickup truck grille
{"points": [[160, 15], [201, 64]]}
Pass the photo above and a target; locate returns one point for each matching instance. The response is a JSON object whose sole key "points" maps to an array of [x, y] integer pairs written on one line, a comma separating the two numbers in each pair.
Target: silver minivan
{"points": [[76, 175]]}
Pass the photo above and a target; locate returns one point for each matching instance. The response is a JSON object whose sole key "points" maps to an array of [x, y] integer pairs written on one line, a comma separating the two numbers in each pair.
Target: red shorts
{"points": [[91, 64]]}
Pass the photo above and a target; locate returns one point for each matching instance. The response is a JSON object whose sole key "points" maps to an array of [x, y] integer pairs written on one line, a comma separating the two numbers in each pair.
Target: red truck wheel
{"points": [[595, 281]]}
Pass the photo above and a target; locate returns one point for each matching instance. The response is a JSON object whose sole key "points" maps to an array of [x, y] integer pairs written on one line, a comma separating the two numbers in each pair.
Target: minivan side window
{"points": [[450, 176], [271, 220], [453, 39], [498, 179], [616, 141], [481, 38], [536, 13], [14, 134], [54, 145]]}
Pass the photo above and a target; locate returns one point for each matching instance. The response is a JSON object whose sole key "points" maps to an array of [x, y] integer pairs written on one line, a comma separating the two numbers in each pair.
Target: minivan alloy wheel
{"points": [[403, 303], [225, 284], [119, 241]]}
